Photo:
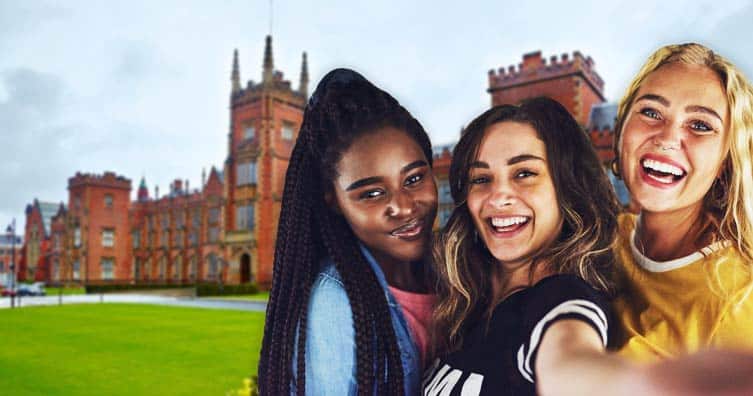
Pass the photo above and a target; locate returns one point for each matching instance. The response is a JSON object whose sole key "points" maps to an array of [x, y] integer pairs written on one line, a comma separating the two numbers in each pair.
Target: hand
{"points": [[711, 372]]}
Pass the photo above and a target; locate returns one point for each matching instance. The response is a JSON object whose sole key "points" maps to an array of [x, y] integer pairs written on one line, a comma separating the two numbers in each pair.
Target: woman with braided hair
{"points": [[348, 309]]}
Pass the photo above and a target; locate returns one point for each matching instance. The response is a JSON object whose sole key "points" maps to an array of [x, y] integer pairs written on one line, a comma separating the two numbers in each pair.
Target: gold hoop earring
{"points": [[615, 168]]}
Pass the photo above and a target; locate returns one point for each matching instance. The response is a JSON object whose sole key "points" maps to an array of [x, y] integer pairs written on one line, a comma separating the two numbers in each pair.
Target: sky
{"points": [[141, 88]]}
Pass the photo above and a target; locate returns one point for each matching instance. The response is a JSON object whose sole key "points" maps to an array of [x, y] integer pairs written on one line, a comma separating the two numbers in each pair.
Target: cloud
{"points": [[32, 139]]}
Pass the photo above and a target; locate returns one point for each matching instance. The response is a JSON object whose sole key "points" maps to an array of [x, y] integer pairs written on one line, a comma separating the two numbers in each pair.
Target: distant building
{"points": [[38, 238], [8, 245], [224, 231], [572, 81]]}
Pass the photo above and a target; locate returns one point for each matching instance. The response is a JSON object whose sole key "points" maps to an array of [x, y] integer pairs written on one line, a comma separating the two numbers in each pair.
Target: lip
{"points": [[513, 232], [410, 231], [656, 183]]}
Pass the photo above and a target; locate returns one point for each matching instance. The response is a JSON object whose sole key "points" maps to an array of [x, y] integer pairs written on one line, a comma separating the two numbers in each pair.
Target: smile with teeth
{"points": [[662, 171], [508, 224], [408, 230]]}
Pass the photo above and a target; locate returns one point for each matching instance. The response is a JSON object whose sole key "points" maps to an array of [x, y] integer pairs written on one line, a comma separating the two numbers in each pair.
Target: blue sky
{"points": [[141, 87]]}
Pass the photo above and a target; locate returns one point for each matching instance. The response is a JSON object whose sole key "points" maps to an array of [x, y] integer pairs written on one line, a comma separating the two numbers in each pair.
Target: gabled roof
{"points": [[47, 210]]}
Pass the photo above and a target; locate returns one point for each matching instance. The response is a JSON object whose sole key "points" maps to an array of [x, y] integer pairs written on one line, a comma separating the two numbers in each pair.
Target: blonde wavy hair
{"points": [[728, 205]]}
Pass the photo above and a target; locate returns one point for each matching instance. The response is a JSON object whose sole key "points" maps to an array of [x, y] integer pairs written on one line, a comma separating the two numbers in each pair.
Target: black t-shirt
{"points": [[501, 361]]}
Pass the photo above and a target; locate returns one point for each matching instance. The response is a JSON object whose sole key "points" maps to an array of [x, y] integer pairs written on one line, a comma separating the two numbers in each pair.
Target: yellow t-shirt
{"points": [[670, 308]]}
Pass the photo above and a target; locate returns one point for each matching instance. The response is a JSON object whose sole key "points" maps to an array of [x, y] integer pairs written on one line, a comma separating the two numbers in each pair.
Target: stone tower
{"points": [[572, 81]]}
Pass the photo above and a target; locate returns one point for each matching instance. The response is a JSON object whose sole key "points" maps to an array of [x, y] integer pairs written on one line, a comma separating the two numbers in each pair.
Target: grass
{"points": [[127, 349]]}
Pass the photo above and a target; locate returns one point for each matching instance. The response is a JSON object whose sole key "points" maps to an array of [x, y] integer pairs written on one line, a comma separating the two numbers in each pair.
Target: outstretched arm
{"points": [[571, 360]]}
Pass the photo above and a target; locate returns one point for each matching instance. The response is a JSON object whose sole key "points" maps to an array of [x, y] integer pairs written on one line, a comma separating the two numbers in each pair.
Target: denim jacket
{"points": [[330, 336]]}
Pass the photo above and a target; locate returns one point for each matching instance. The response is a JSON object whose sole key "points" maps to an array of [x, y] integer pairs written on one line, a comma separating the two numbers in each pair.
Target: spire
{"points": [[303, 87], [236, 75], [269, 64], [143, 194]]}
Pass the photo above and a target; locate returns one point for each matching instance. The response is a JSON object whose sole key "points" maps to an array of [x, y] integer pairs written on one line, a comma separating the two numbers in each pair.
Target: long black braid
{"points": [[343, 107]]}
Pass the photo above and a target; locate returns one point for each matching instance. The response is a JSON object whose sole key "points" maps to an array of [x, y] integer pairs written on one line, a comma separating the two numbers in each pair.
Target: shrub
{"points": [[214, 289]]}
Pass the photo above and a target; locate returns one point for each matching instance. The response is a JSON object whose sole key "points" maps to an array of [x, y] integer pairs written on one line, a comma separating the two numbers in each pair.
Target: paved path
{"points": [[211, 303]]}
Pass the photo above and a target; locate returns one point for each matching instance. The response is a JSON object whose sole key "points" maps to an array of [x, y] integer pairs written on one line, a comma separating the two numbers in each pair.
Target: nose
{"points": [[401, 205], [670, 137], [502, 195]]}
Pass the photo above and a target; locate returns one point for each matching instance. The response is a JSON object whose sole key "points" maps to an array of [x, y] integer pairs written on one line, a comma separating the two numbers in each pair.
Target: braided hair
{"points": [[343, 107]]}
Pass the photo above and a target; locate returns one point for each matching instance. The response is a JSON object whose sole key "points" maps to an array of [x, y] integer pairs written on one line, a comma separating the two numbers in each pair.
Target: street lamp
{"points": [[12, 231]]}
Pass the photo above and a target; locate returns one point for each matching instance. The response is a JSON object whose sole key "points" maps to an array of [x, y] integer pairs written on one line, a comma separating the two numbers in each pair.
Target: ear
{"points": [[331, 200]]}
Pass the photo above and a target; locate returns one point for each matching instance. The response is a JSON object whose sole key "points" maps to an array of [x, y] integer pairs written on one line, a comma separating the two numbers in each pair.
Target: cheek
{"points": [[361, 220], [544, 202], [474, 202], [629, 141]]}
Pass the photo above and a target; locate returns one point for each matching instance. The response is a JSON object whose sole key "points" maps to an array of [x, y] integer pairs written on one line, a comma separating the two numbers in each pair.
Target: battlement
{"points": [[536, 68], [108, 179]]}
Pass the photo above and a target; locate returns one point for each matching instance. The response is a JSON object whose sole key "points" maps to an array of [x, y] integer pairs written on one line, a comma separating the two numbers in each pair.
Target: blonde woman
{"points": [[684, 148]]}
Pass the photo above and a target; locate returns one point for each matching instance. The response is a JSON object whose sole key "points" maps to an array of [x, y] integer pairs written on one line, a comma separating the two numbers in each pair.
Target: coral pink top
{"points": [[417, 310]]}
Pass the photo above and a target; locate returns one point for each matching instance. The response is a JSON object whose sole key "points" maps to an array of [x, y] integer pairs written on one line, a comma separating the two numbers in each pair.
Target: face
{"points": [[386, 191], [672, 143], [511, 196]]}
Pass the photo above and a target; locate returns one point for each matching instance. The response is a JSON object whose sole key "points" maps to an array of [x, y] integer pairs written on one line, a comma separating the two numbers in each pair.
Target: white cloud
{"points": [[141, 88]]}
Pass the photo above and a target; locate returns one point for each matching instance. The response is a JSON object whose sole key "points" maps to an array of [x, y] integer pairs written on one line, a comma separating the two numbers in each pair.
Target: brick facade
{"points": [[572, 81], [223, 231]]}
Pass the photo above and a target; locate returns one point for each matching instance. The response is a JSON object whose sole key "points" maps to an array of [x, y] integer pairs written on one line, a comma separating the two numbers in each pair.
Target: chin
{"points": [[410, 254], [656, 203]]}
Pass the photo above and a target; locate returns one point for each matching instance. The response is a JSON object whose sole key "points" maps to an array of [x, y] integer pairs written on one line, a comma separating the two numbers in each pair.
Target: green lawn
{"points": [[127, 349]]}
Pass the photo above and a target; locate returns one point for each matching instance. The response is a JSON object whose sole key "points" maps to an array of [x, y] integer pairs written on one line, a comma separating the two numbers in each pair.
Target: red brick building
{"points": [[571, 81], [35, 259], [264, 123], [97, 227], [223, 231]]}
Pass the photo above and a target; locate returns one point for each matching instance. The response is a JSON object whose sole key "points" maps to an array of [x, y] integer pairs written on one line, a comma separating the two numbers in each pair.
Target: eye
{"points": [[650, 113], [524, 173], [479, 180], [413, 179], [370, 194], [700, 126]]}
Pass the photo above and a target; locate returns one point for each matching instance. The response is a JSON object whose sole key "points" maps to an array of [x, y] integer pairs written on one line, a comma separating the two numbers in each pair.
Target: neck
{"points": [[663, 236], [507, 280], [400, 274]]}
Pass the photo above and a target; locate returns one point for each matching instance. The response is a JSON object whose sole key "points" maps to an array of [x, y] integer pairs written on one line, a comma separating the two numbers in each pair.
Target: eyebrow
{"points": [[703, 109], [688, 109], [376, 179], [655, 98], [512, 161], [523, 157]]}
